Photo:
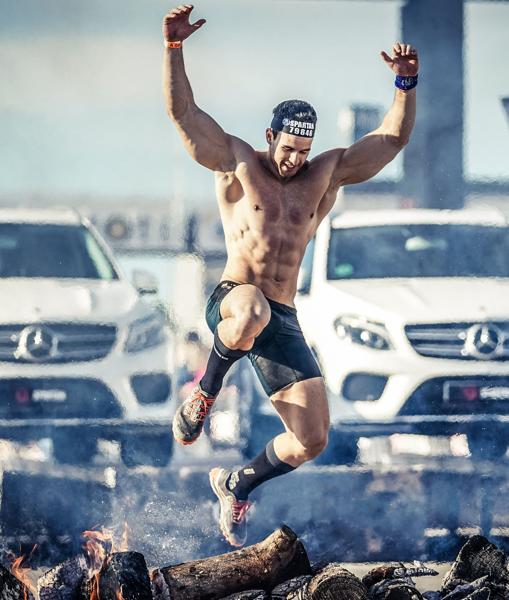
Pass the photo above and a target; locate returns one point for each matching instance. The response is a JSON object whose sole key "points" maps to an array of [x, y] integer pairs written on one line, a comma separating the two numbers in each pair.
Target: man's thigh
{"points": [[303, 408]]}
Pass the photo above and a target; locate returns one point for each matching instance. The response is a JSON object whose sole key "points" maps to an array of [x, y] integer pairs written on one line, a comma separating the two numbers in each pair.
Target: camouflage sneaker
{"points": [[190, 416], [232, 512]]}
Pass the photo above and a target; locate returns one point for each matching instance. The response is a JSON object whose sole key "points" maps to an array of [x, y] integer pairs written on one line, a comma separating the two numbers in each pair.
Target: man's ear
{"points": [[269, 135]]}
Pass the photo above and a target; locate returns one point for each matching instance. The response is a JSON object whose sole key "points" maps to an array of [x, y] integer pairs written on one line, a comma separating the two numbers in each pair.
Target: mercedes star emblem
{"points": [[37, 343], [483, 340]]}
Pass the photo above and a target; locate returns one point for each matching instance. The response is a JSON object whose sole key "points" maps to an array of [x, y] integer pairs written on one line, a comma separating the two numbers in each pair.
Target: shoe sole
{"points": [[220, 496], [181, 441]]}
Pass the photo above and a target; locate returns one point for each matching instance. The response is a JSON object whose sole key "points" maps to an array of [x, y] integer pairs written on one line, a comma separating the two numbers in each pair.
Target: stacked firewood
{"points": [[276, 568]]}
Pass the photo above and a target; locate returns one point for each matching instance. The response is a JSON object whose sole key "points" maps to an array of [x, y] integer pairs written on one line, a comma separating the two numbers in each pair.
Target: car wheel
{"points": [[153, 450], [72, 449], [263, 429], [487, 445], [341, 450]]}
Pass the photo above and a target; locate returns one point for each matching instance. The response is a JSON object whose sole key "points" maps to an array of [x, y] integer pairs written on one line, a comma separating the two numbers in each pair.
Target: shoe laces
{"points": [[199, 406], [239, 510]]}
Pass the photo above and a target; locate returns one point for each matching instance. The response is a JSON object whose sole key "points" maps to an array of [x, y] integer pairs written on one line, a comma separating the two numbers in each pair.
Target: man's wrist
{"points": [[405, 82], [173, 44]]}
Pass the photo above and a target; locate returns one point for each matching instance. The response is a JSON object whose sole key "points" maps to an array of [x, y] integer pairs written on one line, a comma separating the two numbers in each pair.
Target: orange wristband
{"points": [[169, 44]]}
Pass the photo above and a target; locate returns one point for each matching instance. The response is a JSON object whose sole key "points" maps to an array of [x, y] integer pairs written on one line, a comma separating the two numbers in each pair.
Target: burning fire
{"points": [[21, 573], [99, 545]]}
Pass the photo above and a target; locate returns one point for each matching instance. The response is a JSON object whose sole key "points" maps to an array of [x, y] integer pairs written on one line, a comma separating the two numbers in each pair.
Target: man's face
{"points": [[288, 152]]}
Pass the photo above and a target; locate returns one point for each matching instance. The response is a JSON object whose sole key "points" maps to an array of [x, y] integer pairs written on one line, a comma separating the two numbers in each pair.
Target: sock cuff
{"points": [[224, 351], [276, 462]]}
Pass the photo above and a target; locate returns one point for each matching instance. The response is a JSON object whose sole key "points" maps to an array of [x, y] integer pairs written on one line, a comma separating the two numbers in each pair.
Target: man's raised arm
{"points": [[203, 138], [366, 157]]}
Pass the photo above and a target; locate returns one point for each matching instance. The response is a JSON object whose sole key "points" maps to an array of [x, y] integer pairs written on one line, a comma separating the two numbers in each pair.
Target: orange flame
{"points": [[98, 546], [21, 573]]}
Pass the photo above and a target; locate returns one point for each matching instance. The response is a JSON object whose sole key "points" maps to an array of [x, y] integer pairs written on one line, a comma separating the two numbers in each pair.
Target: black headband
{"points": [[295, 126]]}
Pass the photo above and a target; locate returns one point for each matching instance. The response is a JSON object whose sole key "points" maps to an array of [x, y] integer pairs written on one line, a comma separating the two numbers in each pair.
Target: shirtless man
{"points": [[271, 203]]}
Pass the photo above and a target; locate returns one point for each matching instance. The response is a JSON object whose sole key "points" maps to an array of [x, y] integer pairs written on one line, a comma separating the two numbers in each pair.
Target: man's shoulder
{"points": [[329, 157], [241, 148]]}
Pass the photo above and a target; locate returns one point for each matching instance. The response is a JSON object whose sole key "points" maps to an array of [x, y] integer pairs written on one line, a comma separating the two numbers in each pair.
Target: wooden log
{"points": [[336, 583], [293, 589], [11, 588], [275, 559], [477, 558], [249, 595], [66, 581], [124, 575], [394, 589], [483, 594]]}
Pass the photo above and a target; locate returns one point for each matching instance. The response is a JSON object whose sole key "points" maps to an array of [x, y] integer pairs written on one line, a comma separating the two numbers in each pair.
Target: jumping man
{"points": [[271, 203]]}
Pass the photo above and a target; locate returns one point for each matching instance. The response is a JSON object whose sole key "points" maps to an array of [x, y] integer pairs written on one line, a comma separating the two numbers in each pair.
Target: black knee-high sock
{"points": [[262, 468], [220, 360]]}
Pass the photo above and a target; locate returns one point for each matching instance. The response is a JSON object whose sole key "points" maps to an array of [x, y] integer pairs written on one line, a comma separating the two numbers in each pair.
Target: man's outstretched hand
{"points": [[404, 60], [176, 24]]}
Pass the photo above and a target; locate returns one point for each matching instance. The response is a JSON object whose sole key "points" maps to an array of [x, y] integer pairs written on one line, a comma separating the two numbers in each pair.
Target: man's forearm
{"points": [[399, 120], [177, 89]]}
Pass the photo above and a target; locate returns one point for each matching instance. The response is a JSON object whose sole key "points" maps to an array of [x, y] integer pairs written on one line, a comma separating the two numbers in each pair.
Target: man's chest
{"points": [[268, 202]]}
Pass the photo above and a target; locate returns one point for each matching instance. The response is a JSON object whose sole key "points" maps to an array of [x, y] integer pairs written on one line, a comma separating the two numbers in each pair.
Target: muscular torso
{"points": [[268, 222]]}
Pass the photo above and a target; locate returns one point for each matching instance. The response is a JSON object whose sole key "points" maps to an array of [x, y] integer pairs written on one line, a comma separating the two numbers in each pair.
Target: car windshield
{"points": [[56, 251], [423, 250]]}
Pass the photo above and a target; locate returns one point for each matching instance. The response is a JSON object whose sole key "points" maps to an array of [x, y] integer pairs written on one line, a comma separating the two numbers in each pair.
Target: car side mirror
{"points": [[145, 282]]}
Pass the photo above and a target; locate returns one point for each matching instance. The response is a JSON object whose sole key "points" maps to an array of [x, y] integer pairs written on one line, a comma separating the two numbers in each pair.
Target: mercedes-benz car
{"points": [[78, 341], [407, 313]]}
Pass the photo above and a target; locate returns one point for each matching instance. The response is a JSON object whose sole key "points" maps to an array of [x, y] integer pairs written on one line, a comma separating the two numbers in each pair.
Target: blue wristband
{"points": [[405, 82]]}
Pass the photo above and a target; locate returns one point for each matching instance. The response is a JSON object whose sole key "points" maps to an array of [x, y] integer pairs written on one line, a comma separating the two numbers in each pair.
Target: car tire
{"points": [[341, 450], [487, 445], [263, 429], [152, 450], [72, 449]]}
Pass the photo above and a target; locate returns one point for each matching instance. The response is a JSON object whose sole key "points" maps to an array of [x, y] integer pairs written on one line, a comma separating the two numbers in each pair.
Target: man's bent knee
{"points": [[312, 447], [249, 322]]}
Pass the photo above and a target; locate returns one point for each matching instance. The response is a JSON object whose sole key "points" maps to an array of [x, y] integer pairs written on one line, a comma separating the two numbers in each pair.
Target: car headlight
{"points": [[359, 330], [146, 333]]}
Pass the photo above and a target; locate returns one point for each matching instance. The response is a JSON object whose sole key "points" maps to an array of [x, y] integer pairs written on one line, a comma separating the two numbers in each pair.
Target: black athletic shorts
{"points": [[280, 355]]}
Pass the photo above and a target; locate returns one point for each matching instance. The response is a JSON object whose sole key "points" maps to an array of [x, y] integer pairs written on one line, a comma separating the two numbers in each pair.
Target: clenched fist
{"points": [[404, 60], [176, 24]]}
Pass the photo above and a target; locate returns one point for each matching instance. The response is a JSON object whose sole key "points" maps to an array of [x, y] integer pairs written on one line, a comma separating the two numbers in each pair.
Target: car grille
{"points": [[55, 342], [56, 398], [463, 341]]}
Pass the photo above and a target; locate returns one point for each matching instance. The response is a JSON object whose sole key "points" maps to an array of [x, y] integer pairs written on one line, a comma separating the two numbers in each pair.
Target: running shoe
{"points": [[232, 512], [190, 416]]}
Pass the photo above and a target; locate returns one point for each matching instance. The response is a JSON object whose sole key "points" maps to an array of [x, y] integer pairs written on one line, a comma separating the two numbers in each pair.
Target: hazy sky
{"points": [[81, 109]]}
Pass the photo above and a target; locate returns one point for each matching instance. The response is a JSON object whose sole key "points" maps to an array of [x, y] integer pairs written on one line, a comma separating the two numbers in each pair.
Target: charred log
{"points": [[66, 581], [275, 559], [249, 595], [396, 571], [160, 590], [336, 583], [394, 582], [394, 589], [11, 588], [483, 594], [477, 558], [294, 589], [125, 575]]}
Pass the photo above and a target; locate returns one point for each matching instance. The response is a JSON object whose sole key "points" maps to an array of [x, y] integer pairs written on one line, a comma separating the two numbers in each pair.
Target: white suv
{"points": [[408, 313], [77, 340]]}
